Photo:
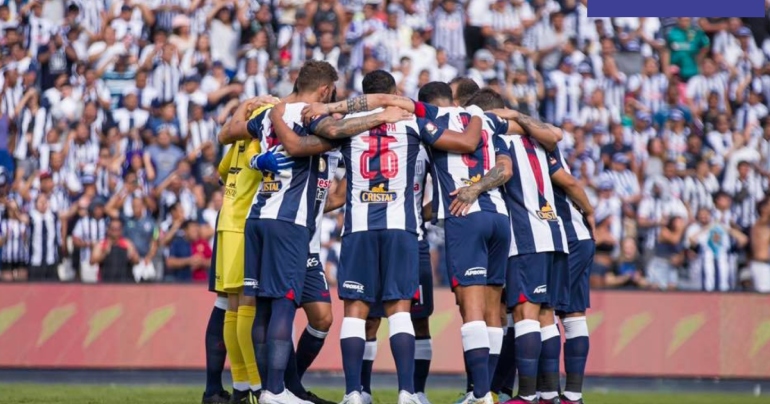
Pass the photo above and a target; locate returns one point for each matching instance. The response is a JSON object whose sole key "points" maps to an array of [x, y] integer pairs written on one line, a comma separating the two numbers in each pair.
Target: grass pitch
{"points": [[105, 394]]}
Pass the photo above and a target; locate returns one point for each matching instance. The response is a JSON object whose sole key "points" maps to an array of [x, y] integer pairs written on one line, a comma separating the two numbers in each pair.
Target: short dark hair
{"points": [[379, 82], [486, 99], [761, 204], [465, 89], [434, 91], [314, 74]]}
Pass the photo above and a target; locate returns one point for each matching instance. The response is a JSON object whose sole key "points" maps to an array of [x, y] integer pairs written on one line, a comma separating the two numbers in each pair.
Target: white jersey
{"points": [[290, 197], [453, 170], [575, 225], [380, 166], [327, 167], [535, 223]]}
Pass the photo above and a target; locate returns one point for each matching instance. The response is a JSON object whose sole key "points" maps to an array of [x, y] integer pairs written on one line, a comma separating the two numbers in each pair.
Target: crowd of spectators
{"points": [[109, 111]]}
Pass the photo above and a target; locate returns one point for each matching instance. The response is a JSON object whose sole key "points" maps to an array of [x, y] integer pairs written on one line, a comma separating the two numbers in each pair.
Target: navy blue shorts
{"points": [[528, 278], [581, 258], [275, 259], [316, 289], [477, 248], [422, 303], [378, 265], [213, 265]]}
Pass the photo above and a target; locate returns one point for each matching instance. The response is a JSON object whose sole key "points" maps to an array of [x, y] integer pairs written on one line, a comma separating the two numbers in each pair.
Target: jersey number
{"points": [[471, 162], [379, 150]]}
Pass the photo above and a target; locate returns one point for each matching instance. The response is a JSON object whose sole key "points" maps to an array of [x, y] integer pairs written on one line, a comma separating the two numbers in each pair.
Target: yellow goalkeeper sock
{"points": [[245, 321], [237, 365]]}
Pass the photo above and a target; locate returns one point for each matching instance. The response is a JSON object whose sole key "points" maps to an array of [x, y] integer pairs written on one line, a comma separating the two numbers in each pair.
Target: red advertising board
{"points": [[162, 327]]}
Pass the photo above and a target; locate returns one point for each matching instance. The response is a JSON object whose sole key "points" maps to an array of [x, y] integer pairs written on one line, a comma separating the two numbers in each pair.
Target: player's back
{"points": [[455, 170], [290, 196], [241, 183], [380, 169], [574, 222], [536, 226]]}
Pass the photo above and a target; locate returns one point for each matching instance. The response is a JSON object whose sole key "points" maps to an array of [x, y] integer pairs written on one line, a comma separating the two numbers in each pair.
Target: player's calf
{"points": [[576, 348], [548, 365]]}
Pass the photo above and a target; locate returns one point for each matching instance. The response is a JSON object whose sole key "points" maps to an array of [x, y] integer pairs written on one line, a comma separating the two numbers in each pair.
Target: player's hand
{"points": [[313, 110], [277, 111], [395, 114], [464, 199], [591, 223], [274, 160]]}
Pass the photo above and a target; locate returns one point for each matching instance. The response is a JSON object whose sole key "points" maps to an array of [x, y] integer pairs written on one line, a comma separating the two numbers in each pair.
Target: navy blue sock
{"points": [[496, 336], [292, 379], [215, 351], [279, 344], [476, 353], [528, 346], [548, 366], [308, 348], [259, 336], [352, 343], [402, 347], [370, 352], [506, 364], [575, 355], [468, 376], [423, 355]]}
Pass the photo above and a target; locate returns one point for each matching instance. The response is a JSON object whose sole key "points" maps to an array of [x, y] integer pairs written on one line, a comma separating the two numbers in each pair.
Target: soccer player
{"points": [[576, 214], [760, 252], [380, 257], [534, 270], [226, 279]]}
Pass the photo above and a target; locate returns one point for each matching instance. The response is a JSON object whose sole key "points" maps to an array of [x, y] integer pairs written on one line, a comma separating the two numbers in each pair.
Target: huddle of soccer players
{"points": [[517, 228]]}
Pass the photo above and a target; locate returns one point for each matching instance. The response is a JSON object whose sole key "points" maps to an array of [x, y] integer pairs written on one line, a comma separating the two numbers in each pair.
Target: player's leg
{"points": [[215, 342], [525, 291], [422, 309], [466, 252], [251, 272], [281, 281], [316, 301], [223, 259], [356, 285], [498, 245], [503, 378], [576, 344], [376, 312], [558, 291]]}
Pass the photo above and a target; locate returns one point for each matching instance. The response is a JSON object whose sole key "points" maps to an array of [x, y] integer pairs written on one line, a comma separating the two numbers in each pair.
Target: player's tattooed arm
{"points": [[577, 194], [294, 144], [494, 178], [332, 128], [235, 129], [361, 103], [546, 134]]}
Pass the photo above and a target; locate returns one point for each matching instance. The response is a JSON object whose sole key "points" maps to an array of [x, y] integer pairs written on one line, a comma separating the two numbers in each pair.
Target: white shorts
{"points": [[760, 275]]}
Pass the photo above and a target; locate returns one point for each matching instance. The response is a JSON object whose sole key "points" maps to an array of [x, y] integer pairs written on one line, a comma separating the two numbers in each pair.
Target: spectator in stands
{"points": [[182, 260], [45, 241], [115, 255]]}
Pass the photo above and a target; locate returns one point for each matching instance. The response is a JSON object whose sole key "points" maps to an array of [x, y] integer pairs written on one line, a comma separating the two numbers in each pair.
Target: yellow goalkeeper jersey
{"points": [[241, 182]]}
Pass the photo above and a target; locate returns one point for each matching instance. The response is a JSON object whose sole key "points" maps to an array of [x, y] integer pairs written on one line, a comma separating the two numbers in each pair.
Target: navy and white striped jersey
{"points": [[452, 170], [15, 247], [127, 120], [380, 166], [716, 266], [535, 223], [575, 225], [327, 167], [652, 90], [448, 32], [44, 238], [420, 184], [89, 230], [291, 197]]}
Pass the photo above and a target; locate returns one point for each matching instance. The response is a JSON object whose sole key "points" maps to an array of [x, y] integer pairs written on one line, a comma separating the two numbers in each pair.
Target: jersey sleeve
{"points": [[316, 121], [425, 110], [256, 125], [501, 148], [499, 125], [554, 161], [429, 131]]}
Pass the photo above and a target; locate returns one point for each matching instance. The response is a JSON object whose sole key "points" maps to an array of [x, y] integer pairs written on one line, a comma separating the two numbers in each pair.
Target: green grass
{"points": [[84, 394]]}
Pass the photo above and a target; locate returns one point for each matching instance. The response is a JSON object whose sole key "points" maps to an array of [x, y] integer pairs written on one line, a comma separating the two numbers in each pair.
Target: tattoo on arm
{"points": [[493, 179], [345, 128], [312, 141], [357, 104], [531, 123]]}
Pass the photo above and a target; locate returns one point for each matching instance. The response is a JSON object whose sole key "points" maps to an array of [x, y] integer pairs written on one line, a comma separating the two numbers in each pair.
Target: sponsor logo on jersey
{"points": [[353, 286], [540, 290], [547, 213], [241, 147], [250, 283], [431, 128], [470, 181], [234, 170], [322, 189], [476, 272], [269, 184], [313, 262], [378, 194]]}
